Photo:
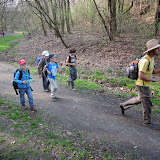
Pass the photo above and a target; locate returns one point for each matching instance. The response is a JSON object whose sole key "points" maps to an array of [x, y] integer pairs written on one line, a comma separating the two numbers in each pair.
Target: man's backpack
{"points": [[15, 85], [70, 59], [132, 69], [38, 60]]}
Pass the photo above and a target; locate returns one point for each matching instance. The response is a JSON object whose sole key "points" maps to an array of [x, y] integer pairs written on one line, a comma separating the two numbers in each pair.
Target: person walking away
{"points": [[43, 74], [24, 86], [143, 83], [3, 34], [71, 62], [52, 73]]}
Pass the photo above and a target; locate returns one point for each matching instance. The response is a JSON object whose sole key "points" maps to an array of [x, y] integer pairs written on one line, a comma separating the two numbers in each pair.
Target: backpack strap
{"points": [[20, 75], [148, 61], [70, 58], [28, 71]]}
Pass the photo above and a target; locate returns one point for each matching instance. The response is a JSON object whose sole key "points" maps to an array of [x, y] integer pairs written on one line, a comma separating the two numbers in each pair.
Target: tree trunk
{"points": [[157, 18], [103, 21], [112, 18], [47, 10], [62, 15], [67, 10], [43, 26], [54, 13]]}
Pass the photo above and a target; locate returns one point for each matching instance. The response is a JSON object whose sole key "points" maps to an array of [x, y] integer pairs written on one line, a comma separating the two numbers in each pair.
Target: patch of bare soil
{"points": [[93, 50]]}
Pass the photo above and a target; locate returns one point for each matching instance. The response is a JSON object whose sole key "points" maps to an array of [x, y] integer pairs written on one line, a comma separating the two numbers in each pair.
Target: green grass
{"points": [[80, 84], [156, 102], [7, 42], [30, 130], [133, 94]]}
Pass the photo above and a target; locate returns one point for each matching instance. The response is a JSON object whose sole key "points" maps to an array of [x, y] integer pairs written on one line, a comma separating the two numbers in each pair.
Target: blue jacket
{"points": [[25, 76]]}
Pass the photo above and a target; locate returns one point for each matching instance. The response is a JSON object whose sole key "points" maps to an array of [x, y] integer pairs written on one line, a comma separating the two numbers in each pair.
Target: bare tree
{"points": [[157, 18], [112, 18], [112, 27], [47, 17]]}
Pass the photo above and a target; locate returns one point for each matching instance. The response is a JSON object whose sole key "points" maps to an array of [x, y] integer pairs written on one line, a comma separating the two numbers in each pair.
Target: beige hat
{"points": [[152, 44]]}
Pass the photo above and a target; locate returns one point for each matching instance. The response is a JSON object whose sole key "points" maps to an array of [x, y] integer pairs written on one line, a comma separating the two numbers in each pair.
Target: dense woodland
{"points": [[108, 29], [110, 16]]}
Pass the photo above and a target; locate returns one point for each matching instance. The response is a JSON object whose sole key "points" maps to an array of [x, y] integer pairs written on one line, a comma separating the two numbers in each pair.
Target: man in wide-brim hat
{"points": [[146, 69]]}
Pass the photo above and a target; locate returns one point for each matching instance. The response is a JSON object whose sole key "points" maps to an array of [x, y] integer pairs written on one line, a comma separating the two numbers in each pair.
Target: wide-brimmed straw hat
{"points": [[152, 44]]}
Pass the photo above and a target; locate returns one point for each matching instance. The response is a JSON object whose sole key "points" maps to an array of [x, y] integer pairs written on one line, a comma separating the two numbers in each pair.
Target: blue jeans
{"points": [[45, 82], [28, 91], [72, 76]]}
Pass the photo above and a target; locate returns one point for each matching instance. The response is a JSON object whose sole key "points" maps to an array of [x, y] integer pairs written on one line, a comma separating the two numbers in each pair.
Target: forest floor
{"points": [[97, 115]]}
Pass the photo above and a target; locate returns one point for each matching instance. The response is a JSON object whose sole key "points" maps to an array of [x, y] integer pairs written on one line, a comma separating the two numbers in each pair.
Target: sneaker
{"points": [[73, 89], [46, 90], [151, 125], [122, 108], [33, 108], [23, 107], [54, 98]]}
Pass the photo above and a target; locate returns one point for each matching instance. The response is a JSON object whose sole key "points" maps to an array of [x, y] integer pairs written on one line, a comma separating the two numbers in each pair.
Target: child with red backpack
{"points": [[24, 85]]}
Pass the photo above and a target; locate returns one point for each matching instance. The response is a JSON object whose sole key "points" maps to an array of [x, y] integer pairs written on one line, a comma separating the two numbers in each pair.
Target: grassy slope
{"points": [[7, 42]]}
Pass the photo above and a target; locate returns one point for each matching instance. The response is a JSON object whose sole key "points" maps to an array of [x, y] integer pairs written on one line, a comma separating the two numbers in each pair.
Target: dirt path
{"points": [[97, 115]]}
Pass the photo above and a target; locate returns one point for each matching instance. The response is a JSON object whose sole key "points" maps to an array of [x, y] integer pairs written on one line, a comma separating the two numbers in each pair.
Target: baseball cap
{"points": [[52, 55], [72, 50], [22, 61], [45, 53]]}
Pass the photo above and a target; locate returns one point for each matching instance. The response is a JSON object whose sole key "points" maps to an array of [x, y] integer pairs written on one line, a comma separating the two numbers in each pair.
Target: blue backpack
{"points": [[38, 59]]}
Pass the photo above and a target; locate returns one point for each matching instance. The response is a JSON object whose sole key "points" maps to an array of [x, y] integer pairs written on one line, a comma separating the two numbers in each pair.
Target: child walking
{"points": [[44, 61], [71, 63], [52, 73], [24, 86]]}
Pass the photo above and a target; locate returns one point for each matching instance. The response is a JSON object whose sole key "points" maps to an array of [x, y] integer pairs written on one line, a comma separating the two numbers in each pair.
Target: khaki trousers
{"points": [[144, 97]]}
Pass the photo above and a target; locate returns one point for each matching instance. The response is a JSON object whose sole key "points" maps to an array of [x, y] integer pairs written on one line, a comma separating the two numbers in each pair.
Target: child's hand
{"points": [[45, 68], [49, 72], [24, 82]]}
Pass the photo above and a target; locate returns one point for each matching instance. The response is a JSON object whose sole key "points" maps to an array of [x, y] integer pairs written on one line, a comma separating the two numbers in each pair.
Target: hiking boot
{"points": [[23, 107], [151, 125], [33, 108], [122, 108]]}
